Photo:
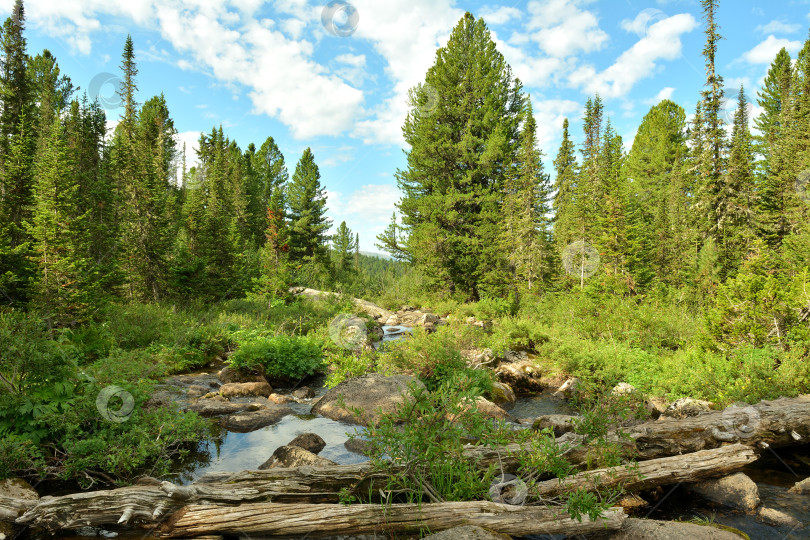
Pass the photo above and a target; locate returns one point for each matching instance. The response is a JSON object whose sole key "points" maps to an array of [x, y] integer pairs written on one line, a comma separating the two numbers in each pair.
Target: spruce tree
{"points": [[343, 246], [773, 97], [565, 186], [308, 221]]}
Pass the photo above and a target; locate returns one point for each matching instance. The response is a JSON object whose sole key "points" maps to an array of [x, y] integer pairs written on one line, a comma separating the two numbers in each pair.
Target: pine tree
{"points": [[308, 221], [565, 185], [343, 246], [610, 233], [772, 98], [525, 235], [462, 132]]}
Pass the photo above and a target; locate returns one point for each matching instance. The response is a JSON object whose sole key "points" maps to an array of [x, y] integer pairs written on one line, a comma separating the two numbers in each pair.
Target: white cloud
{"points": [[500, 15], [549, 115], [366, 211], [765, 52], [661, 42], [664, 93], [778, 27], [563, 29]]}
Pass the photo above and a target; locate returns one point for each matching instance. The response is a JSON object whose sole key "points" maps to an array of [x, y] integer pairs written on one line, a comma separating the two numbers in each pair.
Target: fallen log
{"points": [[653, 473], [318, 520]]}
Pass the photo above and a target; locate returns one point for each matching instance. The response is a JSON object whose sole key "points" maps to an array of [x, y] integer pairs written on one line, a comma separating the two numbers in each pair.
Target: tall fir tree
{"points": [[566, 172], [306, 199], [773, 97]]}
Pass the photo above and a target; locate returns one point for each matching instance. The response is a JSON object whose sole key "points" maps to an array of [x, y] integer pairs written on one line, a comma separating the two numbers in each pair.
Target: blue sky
{"points": [[274, 68]]}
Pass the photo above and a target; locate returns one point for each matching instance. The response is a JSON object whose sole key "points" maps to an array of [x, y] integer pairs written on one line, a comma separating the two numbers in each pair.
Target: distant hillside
{"points": [[375, 254]]}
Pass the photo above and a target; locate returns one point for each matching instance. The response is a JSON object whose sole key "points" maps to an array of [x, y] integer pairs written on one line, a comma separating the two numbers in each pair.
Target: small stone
{"points": [[655, 406], [560, 423], [569, 388], [778, 518], [687, 407], [305, 392], [294, 456], [251, 421], [309, 441], [280, 399], [736, 491], [196, 390], [802, 487], [358, 446], [229, 375], [490, 410]]}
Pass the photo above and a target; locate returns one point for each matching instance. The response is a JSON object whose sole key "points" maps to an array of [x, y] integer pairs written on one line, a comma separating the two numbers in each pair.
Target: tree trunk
{"points": [[319, 520]]}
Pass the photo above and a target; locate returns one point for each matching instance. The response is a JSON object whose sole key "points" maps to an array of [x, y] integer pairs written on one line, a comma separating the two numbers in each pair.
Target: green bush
{"points": [[288, 357]]}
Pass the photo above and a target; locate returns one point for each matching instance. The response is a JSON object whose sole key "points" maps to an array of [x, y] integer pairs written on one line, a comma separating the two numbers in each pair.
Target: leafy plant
{"points": [[281, 356]]}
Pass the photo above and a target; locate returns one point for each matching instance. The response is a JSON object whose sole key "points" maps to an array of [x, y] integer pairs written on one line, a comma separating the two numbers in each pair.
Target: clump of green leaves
{"points": [[290, 357]]}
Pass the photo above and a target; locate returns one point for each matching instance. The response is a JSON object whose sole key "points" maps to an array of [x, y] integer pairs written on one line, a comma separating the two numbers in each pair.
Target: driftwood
{"points": [[318, 520], [657, 472]]}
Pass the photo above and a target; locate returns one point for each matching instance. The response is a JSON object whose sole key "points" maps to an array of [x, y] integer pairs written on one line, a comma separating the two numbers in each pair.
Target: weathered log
{"points": [[657, 472], [318, 520]]}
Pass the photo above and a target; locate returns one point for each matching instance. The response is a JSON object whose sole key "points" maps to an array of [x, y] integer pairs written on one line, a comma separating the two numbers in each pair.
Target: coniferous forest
{"points": [[679, 264]]}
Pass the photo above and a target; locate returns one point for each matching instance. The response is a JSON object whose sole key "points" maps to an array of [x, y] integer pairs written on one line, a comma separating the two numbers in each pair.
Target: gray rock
{"points": [[214, 407], [650, 529], [309, 441], [251, 421], [196, 390], [515, 356], [250, 389], [686, 407], [305, 392], [655, 406], [503, 395], [735, 491], [492, 411], [802, 487], [374, 394], [468, 532], [14, 488], [294, 456], [777, 518], [560, 423], [523, 376], [569, 388], [229, 375]]}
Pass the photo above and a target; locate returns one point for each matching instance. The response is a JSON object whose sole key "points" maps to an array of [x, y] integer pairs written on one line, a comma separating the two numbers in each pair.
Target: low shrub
{"points": [[288, 357]]}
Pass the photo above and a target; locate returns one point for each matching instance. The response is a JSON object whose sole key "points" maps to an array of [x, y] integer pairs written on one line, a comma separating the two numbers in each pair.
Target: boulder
{"points": [[802, 488], [230, 375], [305, 392], [251, 421], [478, 358], [294, 456], [309, 442], [349, 332], [522, 376], [651, 529], [490, 410], [251, 389], [502, 395], [515, 356], [686, 407], [655, 406], [777, 518], [560, 423], [468, 532], [358, 446], [735, 491], [215, 407], [374, 395]]}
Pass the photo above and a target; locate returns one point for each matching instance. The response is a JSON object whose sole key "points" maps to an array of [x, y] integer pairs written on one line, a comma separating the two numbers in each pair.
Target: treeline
{"points": [[87, 218], [692, 208]]}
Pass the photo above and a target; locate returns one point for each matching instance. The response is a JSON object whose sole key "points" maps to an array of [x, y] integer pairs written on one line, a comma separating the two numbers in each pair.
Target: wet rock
{"points": [[374, 394], [569, 388], [294, 456], [280, 399], [358, 446], [623, 389], [251, 421], [801, 488], [686, 407], [196, 390], [651, 529], [213, 407], [250, 389], [229, 375], [521, 376], [309, 441], [468, 532], [503, 395], [560, 423], [305, 392], [777, 518], [735, 491]]}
